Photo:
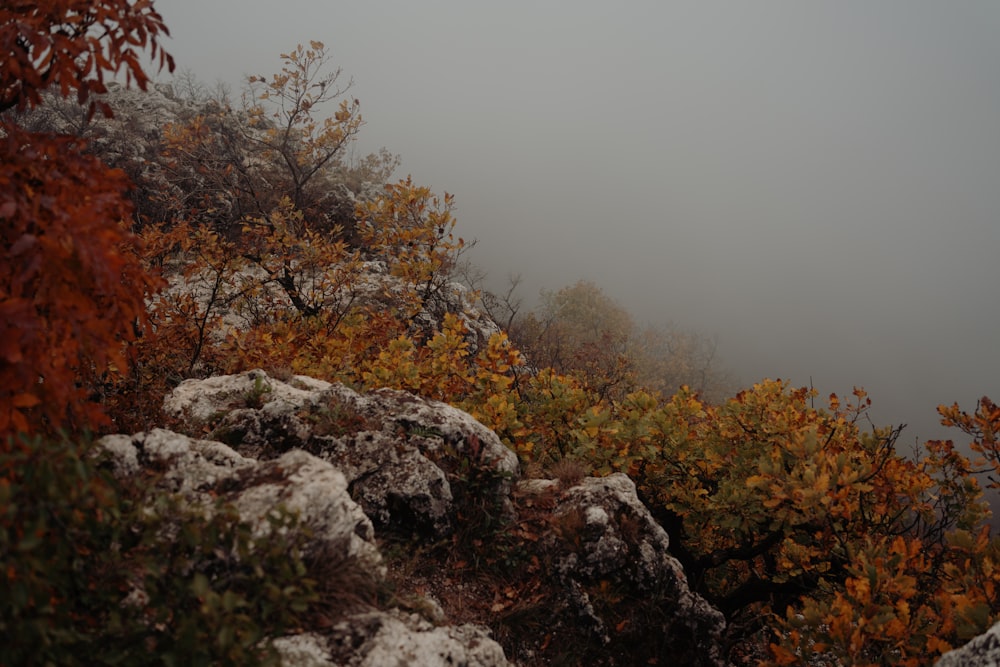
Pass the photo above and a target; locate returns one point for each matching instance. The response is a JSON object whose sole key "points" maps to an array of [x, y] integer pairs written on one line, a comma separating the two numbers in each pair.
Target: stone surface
{"points": [[388, 639], [202, 401], [401, 454], [606, 549], [305, 650], [205, 470], [983, 651], [188, 465]]}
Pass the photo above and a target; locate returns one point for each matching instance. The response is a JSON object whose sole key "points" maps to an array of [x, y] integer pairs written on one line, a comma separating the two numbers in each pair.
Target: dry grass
{"points": [[568, 471]]}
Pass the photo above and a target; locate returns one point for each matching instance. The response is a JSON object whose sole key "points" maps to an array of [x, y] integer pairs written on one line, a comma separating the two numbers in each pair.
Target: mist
{"points": [[814, 184]]}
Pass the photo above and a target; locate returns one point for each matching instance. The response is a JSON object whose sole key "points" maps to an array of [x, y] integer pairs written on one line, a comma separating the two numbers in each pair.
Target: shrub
{"points": [[96, 571], [71, 286]]}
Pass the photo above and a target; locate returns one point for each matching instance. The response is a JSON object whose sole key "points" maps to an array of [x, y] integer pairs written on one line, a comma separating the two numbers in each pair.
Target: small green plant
{"points": [[422, 431], [256, 396], [482, 519]]}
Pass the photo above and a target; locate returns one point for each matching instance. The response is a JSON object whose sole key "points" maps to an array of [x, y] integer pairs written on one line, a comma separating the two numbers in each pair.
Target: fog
{"points": [[816, 184]]}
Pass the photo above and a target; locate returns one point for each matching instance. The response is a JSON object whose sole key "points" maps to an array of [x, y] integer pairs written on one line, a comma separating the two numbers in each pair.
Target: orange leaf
{"points": [[26, 401]]}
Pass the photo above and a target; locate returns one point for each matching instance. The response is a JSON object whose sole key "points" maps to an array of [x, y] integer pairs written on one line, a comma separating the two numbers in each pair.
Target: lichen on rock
{"points": [[400, 453]]}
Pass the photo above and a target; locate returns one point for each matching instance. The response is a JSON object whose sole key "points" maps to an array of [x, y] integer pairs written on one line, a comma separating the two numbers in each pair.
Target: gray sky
{"points": [[817, 184]]}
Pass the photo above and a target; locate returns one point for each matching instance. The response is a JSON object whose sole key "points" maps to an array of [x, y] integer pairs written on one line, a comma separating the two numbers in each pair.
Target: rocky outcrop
{"points": [[580, 565], [401, 454], [204, 471], [611, 561], [982, 651]]}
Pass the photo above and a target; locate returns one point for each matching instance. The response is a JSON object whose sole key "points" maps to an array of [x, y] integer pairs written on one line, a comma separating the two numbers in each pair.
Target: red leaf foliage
{"points": [[72, 44], [71, 286]]}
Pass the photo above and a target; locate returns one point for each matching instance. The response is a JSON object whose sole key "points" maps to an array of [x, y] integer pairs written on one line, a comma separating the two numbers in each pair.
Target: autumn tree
{"points": [[925, 587], [395, 286], [209, 174], [71, 286], [254, 248], [668, 358], [224, 165], [580, 330], [283, 109], [72, 45]]}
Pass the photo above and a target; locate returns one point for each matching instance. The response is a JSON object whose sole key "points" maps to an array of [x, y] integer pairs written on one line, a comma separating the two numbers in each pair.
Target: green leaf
{"points": [[200, 585]]}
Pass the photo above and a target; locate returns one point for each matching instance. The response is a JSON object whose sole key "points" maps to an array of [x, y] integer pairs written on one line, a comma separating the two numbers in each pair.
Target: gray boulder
{"points": [[204, 471], [983, 651], [403, 456], [611, 561], [383, 639]]}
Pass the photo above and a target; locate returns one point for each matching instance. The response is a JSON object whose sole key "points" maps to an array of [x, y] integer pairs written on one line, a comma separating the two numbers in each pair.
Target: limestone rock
{"points": [[203, 470], [305, 650], [188, 465], [377, 639], [200, 402], [983, 651], [607, 551], [401, 454]]}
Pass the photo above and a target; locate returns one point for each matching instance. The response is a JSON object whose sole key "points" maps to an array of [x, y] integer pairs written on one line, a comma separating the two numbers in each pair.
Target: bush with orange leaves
{"points": [[923, 588], [815, 537]]}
